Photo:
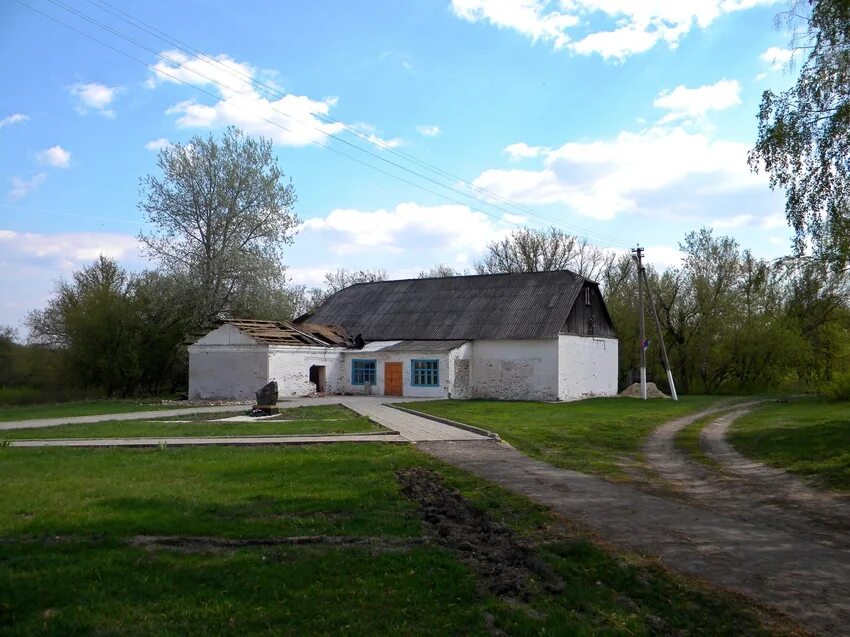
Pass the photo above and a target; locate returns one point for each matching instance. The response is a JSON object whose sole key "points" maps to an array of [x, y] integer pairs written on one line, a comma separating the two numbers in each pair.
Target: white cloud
{"points": [[767, 222], [77, 247], [663, 256], [613, 29], [95, 97], [428, 131], [310, 276], [31, 263], [521, 150], [605, 178], [528, 17], [290, 120], [685, 102], [22, 187], [368, 132], [55, 156], [158, 144], [777, 58], [15, 118], [408, 227]]}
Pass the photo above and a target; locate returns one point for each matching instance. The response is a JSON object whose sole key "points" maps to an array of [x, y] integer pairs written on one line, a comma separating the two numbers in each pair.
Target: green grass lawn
{"points": [[67, 566], [687, 441], [322, 419], [80, 408], [598, 436], [809, 437]]}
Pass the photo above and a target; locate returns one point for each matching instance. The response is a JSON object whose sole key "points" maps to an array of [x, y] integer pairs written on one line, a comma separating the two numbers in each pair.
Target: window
{"points": [[587, 297], [424, 373], [363, 372]]}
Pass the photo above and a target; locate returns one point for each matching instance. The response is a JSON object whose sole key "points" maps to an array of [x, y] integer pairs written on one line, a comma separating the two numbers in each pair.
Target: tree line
{"points": [[220, 213]]}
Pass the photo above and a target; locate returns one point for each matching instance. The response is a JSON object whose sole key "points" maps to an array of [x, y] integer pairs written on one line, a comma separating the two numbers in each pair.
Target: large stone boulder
{"points": [[267, 396]]}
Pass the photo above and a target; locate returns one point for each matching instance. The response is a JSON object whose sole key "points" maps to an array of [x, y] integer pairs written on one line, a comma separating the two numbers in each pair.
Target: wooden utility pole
{"points": [[673, 394], [637, 255]]}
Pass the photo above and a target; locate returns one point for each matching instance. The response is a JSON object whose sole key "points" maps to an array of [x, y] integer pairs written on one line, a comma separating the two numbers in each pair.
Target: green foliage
{"points": [[598, 436], [733, 323], [221, 215], [113, 332], [804, 132], [838, 388], [810, 437]]}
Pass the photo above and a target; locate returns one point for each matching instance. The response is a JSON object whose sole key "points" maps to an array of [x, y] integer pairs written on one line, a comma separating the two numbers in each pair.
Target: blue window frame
{"points": [[425, 372], [363, 372]]}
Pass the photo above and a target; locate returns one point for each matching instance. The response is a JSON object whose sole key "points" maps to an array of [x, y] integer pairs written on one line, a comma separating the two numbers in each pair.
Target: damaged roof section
{"points": [[285, 333]]}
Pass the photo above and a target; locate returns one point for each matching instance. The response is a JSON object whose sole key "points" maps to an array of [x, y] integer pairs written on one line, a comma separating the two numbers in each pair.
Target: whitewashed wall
{"points": [[227, 372], [587, 366], [460, 372], [515, 370], [404, 358], [290, 367]]}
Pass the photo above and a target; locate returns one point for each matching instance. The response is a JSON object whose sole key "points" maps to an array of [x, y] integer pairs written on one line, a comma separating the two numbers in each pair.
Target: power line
{"points": [[198, 54], [327, 119], [273, 123]]}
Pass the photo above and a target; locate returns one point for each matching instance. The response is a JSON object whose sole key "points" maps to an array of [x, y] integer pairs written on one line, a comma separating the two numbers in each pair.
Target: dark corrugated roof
{"points": [[492, 306], [423, 346]]}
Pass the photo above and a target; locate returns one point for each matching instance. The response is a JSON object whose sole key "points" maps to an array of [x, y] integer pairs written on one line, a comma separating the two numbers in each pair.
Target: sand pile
{"points": [[633, 391]]}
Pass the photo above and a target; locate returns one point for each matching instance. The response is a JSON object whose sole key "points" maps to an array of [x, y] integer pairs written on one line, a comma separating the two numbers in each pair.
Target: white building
{"points": [[529, 336]]}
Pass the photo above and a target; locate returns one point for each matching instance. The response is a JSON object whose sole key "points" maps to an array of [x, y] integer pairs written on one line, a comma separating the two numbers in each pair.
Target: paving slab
{"points": [[410, 427], [236, 441]]}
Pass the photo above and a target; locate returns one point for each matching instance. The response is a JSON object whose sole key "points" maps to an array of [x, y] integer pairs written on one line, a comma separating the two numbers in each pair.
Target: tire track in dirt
{"points": [[801, 577], [741, 488]]}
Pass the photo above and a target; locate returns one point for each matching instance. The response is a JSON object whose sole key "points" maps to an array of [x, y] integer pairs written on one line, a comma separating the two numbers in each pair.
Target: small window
{"points": [[424, 373], [587, 296], [363, 372]]}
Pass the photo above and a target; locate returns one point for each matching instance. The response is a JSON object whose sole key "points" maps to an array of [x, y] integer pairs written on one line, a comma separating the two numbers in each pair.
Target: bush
{"points": [[839, 387], [11, 396]]}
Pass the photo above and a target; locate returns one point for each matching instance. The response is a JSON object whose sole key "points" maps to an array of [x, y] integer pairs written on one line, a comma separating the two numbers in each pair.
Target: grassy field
{"points": [[597, 436], [71, 562], [809, 437], [80, 408], [322, 419]]}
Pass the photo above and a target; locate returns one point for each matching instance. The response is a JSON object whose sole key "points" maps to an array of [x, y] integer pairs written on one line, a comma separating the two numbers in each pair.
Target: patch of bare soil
{"points": [[508, 566], [194, 544]]}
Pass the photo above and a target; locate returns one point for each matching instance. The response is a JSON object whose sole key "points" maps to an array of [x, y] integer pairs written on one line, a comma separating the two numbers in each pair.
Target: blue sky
{"points": [[623, 121]]}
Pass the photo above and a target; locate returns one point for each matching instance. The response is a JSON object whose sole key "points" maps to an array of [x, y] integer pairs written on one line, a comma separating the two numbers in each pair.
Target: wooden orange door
{"points": [[392, 379]]}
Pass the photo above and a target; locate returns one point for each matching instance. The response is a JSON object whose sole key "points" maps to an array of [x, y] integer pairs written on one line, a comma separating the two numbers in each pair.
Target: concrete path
{"points": [[408, 427], [803, 578], [741, 488], [133, 415], [238, 441]]}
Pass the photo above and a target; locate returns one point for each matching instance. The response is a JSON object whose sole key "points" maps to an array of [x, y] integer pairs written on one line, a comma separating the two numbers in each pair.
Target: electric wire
{"points": [[104, 5], [150, 29]]}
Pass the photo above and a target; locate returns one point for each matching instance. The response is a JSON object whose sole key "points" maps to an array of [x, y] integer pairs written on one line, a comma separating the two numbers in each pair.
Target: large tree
{"points": [[804, 132], [220, 215], [535, 250]]}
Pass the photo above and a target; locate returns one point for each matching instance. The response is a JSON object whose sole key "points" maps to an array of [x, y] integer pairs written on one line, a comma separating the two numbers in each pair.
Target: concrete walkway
{"points": [[796, 574], [407, 427], [237, 441], [38, 423]]}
